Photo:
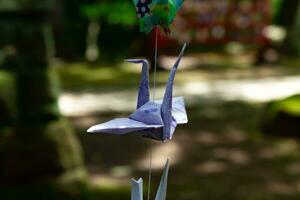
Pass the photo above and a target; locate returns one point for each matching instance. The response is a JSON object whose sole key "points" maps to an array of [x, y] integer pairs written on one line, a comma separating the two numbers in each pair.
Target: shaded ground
{"points": [[219, 154]]}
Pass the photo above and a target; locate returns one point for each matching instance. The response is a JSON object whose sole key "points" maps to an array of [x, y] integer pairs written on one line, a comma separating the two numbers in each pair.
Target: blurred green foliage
{"points": [[13, 5], [287, 15], [289, 105], [76, 77], [6, 85], [114, 12], [276, 4], [7, 99], [116, 18], [282, 117]]}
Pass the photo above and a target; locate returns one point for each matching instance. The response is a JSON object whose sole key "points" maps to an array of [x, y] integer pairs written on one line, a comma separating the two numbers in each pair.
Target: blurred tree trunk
{"points": [[296, 31], [288, 16], [41, 149], [70, 30], [92, 50]]}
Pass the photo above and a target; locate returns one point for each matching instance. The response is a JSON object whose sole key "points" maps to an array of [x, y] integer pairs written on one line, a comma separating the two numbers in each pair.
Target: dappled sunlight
{"points": [[293, 168], [280, 187], [86, 121], [208, 60], [160, 153], [234, 135], [194, 88], [207, 138], [297, 186], [93, 103], [235, 155], [287, 147], [251, 90], [268, 153], [212, 167], [256, 90], [120, 171], [104, 180], [187, 62]]}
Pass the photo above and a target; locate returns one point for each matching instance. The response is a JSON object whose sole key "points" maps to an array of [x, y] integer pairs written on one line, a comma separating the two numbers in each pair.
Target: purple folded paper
{"points": [[153, 119]]}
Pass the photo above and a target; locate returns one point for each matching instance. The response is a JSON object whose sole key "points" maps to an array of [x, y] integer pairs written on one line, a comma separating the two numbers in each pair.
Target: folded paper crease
{"points": [[156, 119]]}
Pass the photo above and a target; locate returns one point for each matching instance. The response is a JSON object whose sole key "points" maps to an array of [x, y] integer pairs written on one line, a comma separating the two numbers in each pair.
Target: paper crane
{"points": [[137, 186], [153, 119]]}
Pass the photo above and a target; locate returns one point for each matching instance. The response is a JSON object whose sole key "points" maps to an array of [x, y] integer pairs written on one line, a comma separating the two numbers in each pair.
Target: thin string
{"points": [[154, 88], [150, 173], [155, 62]]}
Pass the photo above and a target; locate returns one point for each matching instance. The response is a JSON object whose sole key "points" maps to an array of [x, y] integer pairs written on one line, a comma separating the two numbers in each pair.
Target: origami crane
{"points": [[153, 119], [152, 13], [137, 186]]}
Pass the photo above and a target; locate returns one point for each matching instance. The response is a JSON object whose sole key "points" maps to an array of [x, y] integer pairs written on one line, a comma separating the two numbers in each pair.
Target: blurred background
{"points": [[62, 70]]}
